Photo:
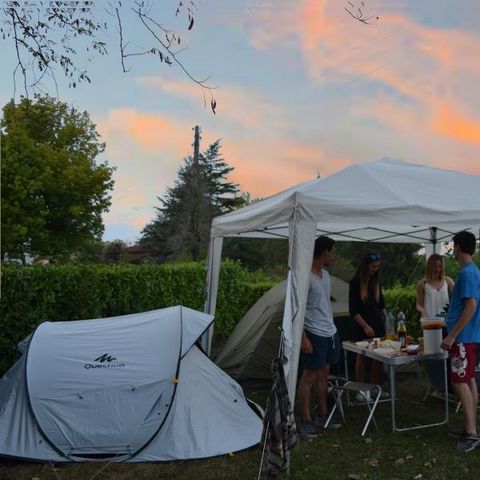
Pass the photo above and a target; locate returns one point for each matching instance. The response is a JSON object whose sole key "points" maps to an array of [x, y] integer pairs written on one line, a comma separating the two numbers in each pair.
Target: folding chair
{"points": [[340, 386]]}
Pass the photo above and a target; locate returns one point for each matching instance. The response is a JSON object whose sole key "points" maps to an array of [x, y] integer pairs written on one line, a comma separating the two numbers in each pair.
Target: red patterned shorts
{"points": [[462, 362]]}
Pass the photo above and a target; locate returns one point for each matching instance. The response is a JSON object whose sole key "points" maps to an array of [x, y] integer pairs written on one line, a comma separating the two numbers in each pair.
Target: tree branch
{"points": [[34, 27], [360, 12], [144, 18], [122, 45], [19, 58]]}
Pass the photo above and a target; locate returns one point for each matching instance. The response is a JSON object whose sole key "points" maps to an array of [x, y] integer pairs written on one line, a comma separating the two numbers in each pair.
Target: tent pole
{"points": [[433, 246], [301, 242], [211, 287]]}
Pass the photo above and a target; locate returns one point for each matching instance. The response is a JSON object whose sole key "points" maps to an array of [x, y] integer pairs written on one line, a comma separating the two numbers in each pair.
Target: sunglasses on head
{"points": [[374, 256]]}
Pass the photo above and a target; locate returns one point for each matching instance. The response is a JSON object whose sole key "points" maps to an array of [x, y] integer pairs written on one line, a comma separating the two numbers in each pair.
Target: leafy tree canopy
{"points": [[53, 190], [400, 262]]}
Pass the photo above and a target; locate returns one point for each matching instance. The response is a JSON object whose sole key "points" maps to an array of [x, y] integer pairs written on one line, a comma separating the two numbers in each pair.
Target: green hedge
{"points": [[33, 294], [404, 298]]}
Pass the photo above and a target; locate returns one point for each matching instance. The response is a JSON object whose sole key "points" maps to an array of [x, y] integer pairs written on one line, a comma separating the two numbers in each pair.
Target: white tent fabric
{"points": [[383, 201], [254, 343], [131, 388]]}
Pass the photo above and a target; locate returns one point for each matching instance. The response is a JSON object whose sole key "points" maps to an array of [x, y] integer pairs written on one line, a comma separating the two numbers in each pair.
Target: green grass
{"points": [[332, 456]]}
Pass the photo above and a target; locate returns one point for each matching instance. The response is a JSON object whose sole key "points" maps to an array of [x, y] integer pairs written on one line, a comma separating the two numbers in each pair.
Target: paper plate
{"points": [[362, 344], [390, 344], [384, 351]]}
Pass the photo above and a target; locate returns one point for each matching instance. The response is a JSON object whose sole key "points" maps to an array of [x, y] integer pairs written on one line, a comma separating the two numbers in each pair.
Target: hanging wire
{"points": [[54, 470], [263, 454], [420, 259], [104, 467]]}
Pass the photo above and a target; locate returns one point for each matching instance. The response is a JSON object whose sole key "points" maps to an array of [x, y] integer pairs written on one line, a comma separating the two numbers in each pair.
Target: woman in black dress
{"points": [[367, 309]]}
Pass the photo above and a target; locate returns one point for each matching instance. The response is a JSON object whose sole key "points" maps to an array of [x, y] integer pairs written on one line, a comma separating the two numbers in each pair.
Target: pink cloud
{"points": [[265, 160], [182, 88], [443, 117], [147, 149], [447, 120], [433, 67], [238, 105], [264, 168], [312, 17], [151, 132]]}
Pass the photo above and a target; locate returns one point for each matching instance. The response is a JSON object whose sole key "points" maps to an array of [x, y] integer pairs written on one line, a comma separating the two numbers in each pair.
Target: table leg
{"points": [[348, 347], [417, 427], [393, 394], [345, 356], [445, 378]]}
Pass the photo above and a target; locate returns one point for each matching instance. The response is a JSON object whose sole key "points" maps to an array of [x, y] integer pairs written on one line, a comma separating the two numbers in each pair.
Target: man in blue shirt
{"points": [[463, 324]]}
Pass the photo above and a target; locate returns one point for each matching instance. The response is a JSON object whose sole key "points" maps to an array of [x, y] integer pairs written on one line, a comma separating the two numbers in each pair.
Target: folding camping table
{"points": [[392, 362]]}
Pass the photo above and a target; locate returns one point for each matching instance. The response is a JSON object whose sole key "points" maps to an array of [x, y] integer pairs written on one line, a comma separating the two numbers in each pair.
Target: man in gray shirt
{"points": [[320, 344]]}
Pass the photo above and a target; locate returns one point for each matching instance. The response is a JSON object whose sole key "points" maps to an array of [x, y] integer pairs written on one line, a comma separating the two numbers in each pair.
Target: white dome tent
{"points": [[133, 388], [383, 201]]}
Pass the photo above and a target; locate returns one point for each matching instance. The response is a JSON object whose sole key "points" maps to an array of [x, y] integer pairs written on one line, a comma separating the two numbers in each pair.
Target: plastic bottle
{"points": [[390, 326], [402, 331]]}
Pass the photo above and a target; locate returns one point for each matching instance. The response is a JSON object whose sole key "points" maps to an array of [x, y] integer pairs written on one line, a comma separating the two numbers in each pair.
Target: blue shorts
{"points": [[326, 350]]}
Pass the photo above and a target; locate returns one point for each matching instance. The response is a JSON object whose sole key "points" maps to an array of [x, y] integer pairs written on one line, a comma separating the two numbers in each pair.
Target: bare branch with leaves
{"points": [[50, 35], [358, 12]]}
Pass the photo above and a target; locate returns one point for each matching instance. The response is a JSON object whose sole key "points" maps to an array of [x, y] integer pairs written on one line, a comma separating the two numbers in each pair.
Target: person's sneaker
{"points": [[307, 429], [468, 443], [322, 420], [360, 397]]}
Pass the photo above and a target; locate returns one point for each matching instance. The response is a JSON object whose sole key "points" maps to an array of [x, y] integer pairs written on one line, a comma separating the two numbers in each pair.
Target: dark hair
{"points": [[366, 278], [466, 241], [321, 244]]}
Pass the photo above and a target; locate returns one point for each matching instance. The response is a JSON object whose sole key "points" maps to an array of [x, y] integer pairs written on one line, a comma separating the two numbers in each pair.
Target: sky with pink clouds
{"points": [[304, 89]]}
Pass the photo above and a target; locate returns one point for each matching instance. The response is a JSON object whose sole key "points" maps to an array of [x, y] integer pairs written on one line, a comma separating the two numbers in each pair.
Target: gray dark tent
{"points": [[249, 351]]}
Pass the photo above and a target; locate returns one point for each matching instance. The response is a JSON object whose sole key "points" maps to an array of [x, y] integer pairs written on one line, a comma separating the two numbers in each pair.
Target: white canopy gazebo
{"points": [[383, 201]]}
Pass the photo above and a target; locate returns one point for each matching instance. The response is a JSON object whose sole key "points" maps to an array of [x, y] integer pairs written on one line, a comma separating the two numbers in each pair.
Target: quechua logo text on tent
{"points": [[105, 361], [105, 358]]}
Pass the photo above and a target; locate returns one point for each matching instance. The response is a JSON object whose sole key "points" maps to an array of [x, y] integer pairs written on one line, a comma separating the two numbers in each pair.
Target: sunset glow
{"points": [[303, 90]]}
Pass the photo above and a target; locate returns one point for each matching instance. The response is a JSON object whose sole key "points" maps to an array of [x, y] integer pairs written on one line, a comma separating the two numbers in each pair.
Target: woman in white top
{"points": [[433, 290]]}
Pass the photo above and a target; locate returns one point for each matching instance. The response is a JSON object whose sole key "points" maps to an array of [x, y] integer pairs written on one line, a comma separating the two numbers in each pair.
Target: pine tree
{"points": [[201, 191]]}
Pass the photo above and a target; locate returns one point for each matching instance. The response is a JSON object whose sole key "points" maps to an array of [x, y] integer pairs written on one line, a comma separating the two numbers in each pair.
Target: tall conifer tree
{"points": [[201, 191]]}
